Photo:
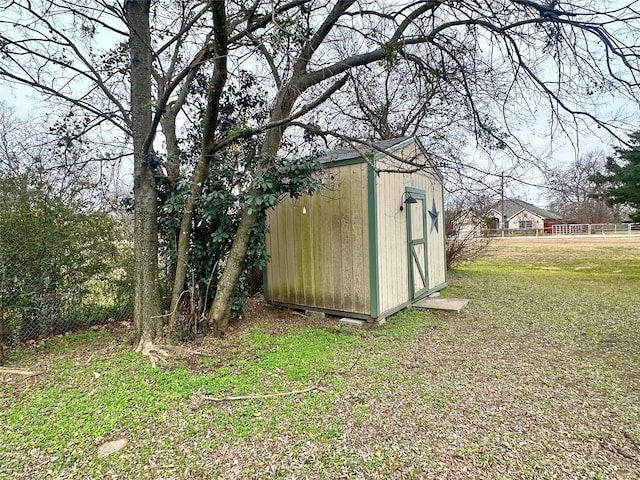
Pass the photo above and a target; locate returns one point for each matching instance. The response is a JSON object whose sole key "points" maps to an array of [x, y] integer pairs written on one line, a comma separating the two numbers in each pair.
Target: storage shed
{"points": [[369, 243]]}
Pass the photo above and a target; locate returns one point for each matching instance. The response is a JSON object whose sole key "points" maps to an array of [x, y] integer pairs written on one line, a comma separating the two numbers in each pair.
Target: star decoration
{"points": [[434, 213]]}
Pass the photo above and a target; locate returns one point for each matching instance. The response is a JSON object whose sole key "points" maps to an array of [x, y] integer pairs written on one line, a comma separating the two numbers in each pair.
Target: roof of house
{"points": [[512, 207], [351, 153]]}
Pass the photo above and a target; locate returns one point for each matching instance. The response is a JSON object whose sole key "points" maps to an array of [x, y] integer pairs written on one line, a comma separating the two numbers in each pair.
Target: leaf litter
{"points": [[526, 382]]}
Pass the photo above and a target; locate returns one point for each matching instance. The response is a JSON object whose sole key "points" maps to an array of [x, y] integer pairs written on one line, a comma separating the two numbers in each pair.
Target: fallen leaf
{"points": [[109, 448]]}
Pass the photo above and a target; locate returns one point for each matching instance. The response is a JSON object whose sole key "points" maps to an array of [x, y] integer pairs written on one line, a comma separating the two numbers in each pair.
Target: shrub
{"points": [[57, 259]]}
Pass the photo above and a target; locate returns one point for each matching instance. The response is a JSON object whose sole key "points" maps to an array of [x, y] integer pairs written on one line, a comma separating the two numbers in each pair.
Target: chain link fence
{"points": [[57, 283]]}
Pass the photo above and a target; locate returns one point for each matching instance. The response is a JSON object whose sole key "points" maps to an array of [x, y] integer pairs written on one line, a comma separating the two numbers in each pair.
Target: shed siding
{"points": [[393, 265], [320, 259], [393, 247], [436, 255]]}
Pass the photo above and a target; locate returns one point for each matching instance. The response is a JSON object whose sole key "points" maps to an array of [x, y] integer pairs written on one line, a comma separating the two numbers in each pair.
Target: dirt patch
{"points": [[275, 320]]}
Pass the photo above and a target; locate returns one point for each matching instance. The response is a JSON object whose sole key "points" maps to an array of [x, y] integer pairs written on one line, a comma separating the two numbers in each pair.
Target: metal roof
{"points": [[351, 153]]}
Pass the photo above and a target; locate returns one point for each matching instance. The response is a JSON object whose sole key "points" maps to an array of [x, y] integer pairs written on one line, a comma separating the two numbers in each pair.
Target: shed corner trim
{"points": [[374, 278]]}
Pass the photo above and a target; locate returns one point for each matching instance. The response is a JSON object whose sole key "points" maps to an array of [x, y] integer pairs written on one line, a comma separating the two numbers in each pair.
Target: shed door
{"points": [[417, 235]]}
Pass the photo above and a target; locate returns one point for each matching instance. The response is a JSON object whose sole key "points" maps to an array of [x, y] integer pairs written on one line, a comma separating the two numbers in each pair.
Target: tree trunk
{"points": [[168, 125], [218, 317], [183, 244], [147, 315], [214, 93], [220, 311]]}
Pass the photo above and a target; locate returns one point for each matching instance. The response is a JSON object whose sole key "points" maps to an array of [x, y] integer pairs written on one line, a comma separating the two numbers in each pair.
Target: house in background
{"points": [[465, 224], [521, 215], [368, 244]]}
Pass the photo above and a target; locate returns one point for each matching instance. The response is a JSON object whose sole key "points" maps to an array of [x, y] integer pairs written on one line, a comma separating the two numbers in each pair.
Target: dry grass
{"points": [[539, 377], [558, 248]]}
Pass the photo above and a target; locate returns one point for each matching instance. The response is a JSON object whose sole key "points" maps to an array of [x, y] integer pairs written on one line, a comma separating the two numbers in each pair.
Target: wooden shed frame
{"points": [[354, 248]]}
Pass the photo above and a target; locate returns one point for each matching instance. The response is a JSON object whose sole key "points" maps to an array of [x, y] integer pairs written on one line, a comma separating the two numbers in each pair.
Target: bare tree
{"points": [[13, 141], [574, 195], [496, 70], [303, 74], [466, 223]]}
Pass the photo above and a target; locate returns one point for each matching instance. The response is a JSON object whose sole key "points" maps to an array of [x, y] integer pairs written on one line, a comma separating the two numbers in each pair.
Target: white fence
{"points": [[596, 229], [566, 229]]}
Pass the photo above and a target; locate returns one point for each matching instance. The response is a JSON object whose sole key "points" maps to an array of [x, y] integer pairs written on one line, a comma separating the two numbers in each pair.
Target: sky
{"points": [[559, 150]]}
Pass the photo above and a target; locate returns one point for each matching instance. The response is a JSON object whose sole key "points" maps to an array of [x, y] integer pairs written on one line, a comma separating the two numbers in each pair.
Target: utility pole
{"points": [[502, 204]]}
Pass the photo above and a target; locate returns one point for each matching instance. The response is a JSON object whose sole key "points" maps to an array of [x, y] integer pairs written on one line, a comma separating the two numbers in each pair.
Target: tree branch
{"points": [[246, 133]]}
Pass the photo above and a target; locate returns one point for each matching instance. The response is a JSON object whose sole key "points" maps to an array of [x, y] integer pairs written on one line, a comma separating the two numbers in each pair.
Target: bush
{"points": [[58, 260], [465, 223]]}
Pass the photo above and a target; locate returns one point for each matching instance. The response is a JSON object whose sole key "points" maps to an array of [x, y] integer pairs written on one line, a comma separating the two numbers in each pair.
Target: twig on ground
{"points": [[316, 386], [186, 351], [18, 371]]}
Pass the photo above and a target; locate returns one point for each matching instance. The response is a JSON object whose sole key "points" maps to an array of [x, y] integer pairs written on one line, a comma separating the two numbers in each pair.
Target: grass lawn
{"points": [[538, 377]]}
